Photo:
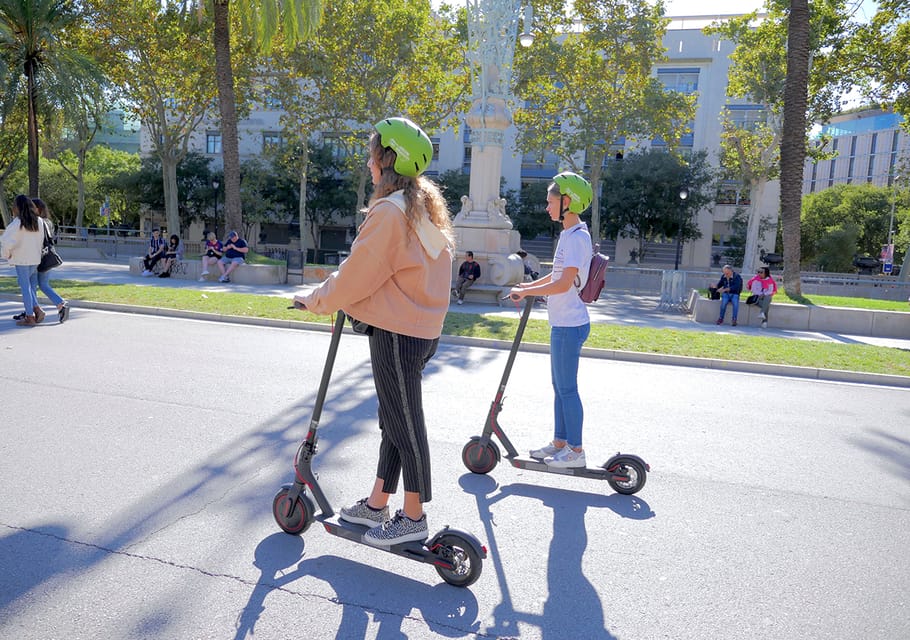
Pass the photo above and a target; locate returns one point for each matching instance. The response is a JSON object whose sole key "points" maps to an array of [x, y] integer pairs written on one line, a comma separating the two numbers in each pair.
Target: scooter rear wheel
{"points": [[478, 457], [468, 564], [636, 473], [297, 522]]}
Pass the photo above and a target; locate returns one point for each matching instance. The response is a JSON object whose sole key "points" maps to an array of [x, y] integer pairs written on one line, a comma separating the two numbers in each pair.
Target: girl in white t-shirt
{"points": [[567, 197]]}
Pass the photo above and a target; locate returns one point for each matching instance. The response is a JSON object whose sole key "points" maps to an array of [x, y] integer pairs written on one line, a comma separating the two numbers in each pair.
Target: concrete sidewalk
{"points": [[613, 308]]}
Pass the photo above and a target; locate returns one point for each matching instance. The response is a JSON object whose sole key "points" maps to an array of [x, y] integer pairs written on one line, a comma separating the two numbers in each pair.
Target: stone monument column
{"points": [[482, 225]]}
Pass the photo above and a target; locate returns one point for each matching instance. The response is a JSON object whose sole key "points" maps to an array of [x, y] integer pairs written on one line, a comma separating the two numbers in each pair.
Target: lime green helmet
{"points": [[576, 188], [410, 144]]}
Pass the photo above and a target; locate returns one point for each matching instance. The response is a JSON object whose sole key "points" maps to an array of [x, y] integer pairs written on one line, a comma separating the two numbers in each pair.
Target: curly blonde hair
{"points": [[419, 193]]}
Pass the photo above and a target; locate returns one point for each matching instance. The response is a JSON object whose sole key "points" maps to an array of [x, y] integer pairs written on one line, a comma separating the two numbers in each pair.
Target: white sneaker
{"points": [[460, 302], [546, 452], [204, 273], [764, 325], [762, 316], [147, 273], [201, 279], [567, 458]]}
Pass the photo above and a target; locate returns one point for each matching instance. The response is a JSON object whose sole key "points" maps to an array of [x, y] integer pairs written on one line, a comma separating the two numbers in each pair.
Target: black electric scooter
{"points": [[626, 473], [457, 556]]}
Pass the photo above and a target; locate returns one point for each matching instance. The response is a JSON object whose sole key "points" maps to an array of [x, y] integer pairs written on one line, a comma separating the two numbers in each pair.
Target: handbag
{"points": [[753, 299], [49, 256]]}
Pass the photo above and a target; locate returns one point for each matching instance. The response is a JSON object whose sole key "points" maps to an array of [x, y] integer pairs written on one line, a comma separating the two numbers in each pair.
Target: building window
{"points": [[435, 142], [681, 80], [213, 143], [871, 169], [343, 148], [852, 160], [833, 163], [895, 144], [746, 116], [272, 141]]}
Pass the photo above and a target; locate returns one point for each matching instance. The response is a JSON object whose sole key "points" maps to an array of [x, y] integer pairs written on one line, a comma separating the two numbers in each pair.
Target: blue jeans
{"points": [[729, 297], [43, 281], [565, 351], [24, 275]]}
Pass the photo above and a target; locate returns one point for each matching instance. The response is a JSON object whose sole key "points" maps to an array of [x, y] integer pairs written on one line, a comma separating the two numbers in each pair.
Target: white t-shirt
{"points": [[573, 250]]}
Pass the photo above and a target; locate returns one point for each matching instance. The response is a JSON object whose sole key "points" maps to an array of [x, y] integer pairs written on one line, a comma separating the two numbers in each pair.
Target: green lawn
{"points": [[748, 348]]}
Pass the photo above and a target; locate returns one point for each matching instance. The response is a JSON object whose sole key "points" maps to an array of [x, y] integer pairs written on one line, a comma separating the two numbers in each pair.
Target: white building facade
{"points": [[869, 147]]}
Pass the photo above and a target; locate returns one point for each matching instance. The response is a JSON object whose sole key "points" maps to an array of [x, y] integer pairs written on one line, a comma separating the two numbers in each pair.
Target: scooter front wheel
{"points": [[458, 551], [303, 512], [479, 457], [631, 475]]}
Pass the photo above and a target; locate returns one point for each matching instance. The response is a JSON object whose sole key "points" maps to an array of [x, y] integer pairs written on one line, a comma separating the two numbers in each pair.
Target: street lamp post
{"points": [[890, 249], [215, 185], [683, 194]]}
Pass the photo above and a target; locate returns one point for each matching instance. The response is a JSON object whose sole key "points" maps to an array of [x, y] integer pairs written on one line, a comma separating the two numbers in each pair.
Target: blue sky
{"points": [[726, 7]]}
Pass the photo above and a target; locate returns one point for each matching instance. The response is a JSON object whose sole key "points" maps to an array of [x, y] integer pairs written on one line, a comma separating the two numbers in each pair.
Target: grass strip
{"points": [[700, 344]]}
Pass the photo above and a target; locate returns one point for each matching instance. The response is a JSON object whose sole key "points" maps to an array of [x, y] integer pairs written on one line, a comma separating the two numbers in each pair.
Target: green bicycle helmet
{"points": [[577, 189], [410, 144]]}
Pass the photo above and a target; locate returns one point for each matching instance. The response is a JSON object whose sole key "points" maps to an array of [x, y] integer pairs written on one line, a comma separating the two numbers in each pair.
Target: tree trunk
{"points": [[230, 149], [171, 202], [80, 188], [751, 248], [793, 140], [4, 209], [361, 195], [597, 159], [301, 210], [32, 130]]}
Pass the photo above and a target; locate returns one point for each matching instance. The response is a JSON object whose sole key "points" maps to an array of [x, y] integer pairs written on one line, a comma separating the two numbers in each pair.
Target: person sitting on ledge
{"points": [[235, 249]]}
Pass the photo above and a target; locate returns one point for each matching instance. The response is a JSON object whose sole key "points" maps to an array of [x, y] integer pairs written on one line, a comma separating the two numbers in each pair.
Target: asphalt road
{"points": [[139, 456]]}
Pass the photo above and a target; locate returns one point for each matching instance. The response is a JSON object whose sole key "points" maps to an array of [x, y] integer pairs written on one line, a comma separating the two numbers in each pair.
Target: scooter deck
{"points": [[539, 465]]}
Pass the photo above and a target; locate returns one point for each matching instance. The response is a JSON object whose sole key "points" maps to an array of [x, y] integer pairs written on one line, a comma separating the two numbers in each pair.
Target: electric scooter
{"points": [[456, 555], [626, 473]]}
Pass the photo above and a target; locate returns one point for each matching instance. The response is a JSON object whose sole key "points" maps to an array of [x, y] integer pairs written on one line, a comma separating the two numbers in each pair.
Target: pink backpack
{"points": [[597, 276]]}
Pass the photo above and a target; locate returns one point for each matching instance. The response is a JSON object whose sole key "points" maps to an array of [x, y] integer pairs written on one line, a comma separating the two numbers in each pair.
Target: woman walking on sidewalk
{"points": [[22, 243], [42, 280]]}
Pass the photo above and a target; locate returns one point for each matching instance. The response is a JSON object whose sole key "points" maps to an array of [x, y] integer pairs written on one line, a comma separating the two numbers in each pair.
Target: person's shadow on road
{"points": [[361, 590], [573, 608]]}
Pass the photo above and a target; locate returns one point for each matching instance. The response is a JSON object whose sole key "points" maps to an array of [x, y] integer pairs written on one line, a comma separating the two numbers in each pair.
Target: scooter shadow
{"points": [[481, 486], [364, 592], [569, 589]]}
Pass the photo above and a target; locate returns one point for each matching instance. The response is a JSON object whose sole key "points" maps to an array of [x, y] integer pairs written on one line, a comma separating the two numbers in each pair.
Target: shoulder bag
{"points": [[50, 259]]}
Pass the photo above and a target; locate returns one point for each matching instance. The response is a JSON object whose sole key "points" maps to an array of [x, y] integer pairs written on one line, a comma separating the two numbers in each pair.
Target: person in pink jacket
{"points": [[763, 286], [395, 284]]}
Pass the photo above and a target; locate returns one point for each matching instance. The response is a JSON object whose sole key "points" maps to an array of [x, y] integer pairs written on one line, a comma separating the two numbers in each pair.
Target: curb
{"points": [[810, 373]]}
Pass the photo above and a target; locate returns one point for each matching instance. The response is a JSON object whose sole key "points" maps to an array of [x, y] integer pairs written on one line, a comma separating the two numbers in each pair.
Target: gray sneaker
{"points": [[545, 452], [397, 530], [567, 458], [361, 513]]}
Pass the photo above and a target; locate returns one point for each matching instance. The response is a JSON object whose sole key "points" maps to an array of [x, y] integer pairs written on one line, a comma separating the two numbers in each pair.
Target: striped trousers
{"points": [[398, 363]]}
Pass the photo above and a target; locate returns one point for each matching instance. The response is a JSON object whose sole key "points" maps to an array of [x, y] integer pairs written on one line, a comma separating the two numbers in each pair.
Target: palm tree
{"points": [[298, 20], [793, 140], [33, 44]]}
